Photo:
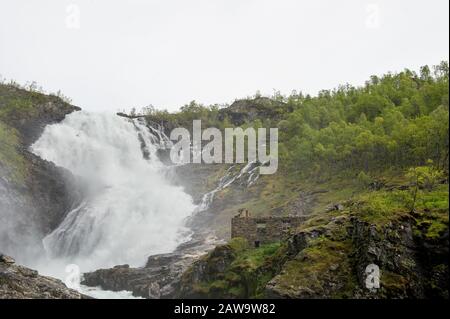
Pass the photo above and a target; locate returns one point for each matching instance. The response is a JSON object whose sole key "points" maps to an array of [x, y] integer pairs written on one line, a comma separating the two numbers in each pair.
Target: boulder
{"points": [[7, 259], [18, 282]]}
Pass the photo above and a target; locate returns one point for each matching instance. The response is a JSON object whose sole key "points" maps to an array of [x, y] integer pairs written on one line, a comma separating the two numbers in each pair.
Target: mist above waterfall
{"points": [[131, 210], [19, 236]]}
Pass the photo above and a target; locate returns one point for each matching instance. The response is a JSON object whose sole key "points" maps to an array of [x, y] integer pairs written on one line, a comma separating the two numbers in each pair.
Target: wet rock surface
{"points": [[159, 278], [53, 190], [18, 282], [34, 203], [35, 194]]}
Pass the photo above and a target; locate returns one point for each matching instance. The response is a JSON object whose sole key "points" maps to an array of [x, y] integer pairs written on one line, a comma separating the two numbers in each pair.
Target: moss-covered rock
{"points": [[34, 193], [29, 112], [331, 253], [234, 270], [248, 110], [328, 255]]}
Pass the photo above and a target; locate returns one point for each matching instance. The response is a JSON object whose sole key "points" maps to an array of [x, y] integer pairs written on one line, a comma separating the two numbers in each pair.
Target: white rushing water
{"points": [[249, 171], [132, 211]]}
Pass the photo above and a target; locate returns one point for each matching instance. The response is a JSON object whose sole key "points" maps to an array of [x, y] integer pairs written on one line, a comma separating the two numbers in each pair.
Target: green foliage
{"points": [[398, 120], [426, 177], [238, 244], [255, 258], [20, 102], [381, 207], [364, 180], [11, 161], [435, 200], [17, 105], [394, 121], [189, 112], [247, 275]]}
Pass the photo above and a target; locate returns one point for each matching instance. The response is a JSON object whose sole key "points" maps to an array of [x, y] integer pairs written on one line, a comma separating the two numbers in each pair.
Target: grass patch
{"points": [[254, 258], [381, 207], [16, 107], [10, 159]]}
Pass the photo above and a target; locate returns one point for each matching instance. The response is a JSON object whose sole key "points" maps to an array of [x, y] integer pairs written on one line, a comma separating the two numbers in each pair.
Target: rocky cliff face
{"points": [[328, 258], [159, 278], [35, 191], [328, 263], [242, 111], [17, 282], [29, 112], [34, 194]]}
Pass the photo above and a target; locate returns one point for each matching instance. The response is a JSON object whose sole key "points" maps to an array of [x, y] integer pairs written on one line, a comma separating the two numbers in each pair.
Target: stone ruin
{"points": [[263, 230]]}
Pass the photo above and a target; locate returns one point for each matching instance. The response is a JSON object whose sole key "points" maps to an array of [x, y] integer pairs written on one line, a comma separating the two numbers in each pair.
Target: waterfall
{"points": [[131, 210], [250, 171]]}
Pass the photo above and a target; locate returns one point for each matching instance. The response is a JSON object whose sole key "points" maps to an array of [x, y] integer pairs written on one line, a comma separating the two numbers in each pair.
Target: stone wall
{"points": [[263, 229]]}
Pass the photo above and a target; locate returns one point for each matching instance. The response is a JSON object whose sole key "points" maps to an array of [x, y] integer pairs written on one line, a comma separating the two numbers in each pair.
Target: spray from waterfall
{"points": [[131, 210]]}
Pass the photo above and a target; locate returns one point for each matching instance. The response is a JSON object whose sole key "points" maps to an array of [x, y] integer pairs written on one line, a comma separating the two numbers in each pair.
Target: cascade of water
{"points": [[250, 169], [132, 211]]}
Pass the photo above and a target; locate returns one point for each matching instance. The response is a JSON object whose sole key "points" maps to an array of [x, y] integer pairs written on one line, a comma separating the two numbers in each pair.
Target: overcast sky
{"points": [[111, 55]]}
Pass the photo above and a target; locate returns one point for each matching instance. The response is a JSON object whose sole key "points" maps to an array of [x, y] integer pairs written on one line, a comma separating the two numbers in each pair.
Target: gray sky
{"points": [[110, 55]]}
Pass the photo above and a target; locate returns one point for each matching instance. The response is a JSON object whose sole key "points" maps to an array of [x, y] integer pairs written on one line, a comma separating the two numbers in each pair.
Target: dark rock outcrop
{"points": [[29, 112], [53, 190], [154, 282], [35, 194], [331, 262], [205, 270], [412, 265], [18, 282], [248, 110], [158, 279]]}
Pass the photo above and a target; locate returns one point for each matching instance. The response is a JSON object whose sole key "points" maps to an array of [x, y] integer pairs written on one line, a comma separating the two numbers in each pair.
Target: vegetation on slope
{"points": [[381, 152], [10, 158], [24, 112], [396, 120], [234, 270], [326, 257]]}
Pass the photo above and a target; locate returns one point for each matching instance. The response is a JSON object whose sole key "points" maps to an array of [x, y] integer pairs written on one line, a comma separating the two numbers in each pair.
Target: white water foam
{"points": [[132, 211], [250, 170]]}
